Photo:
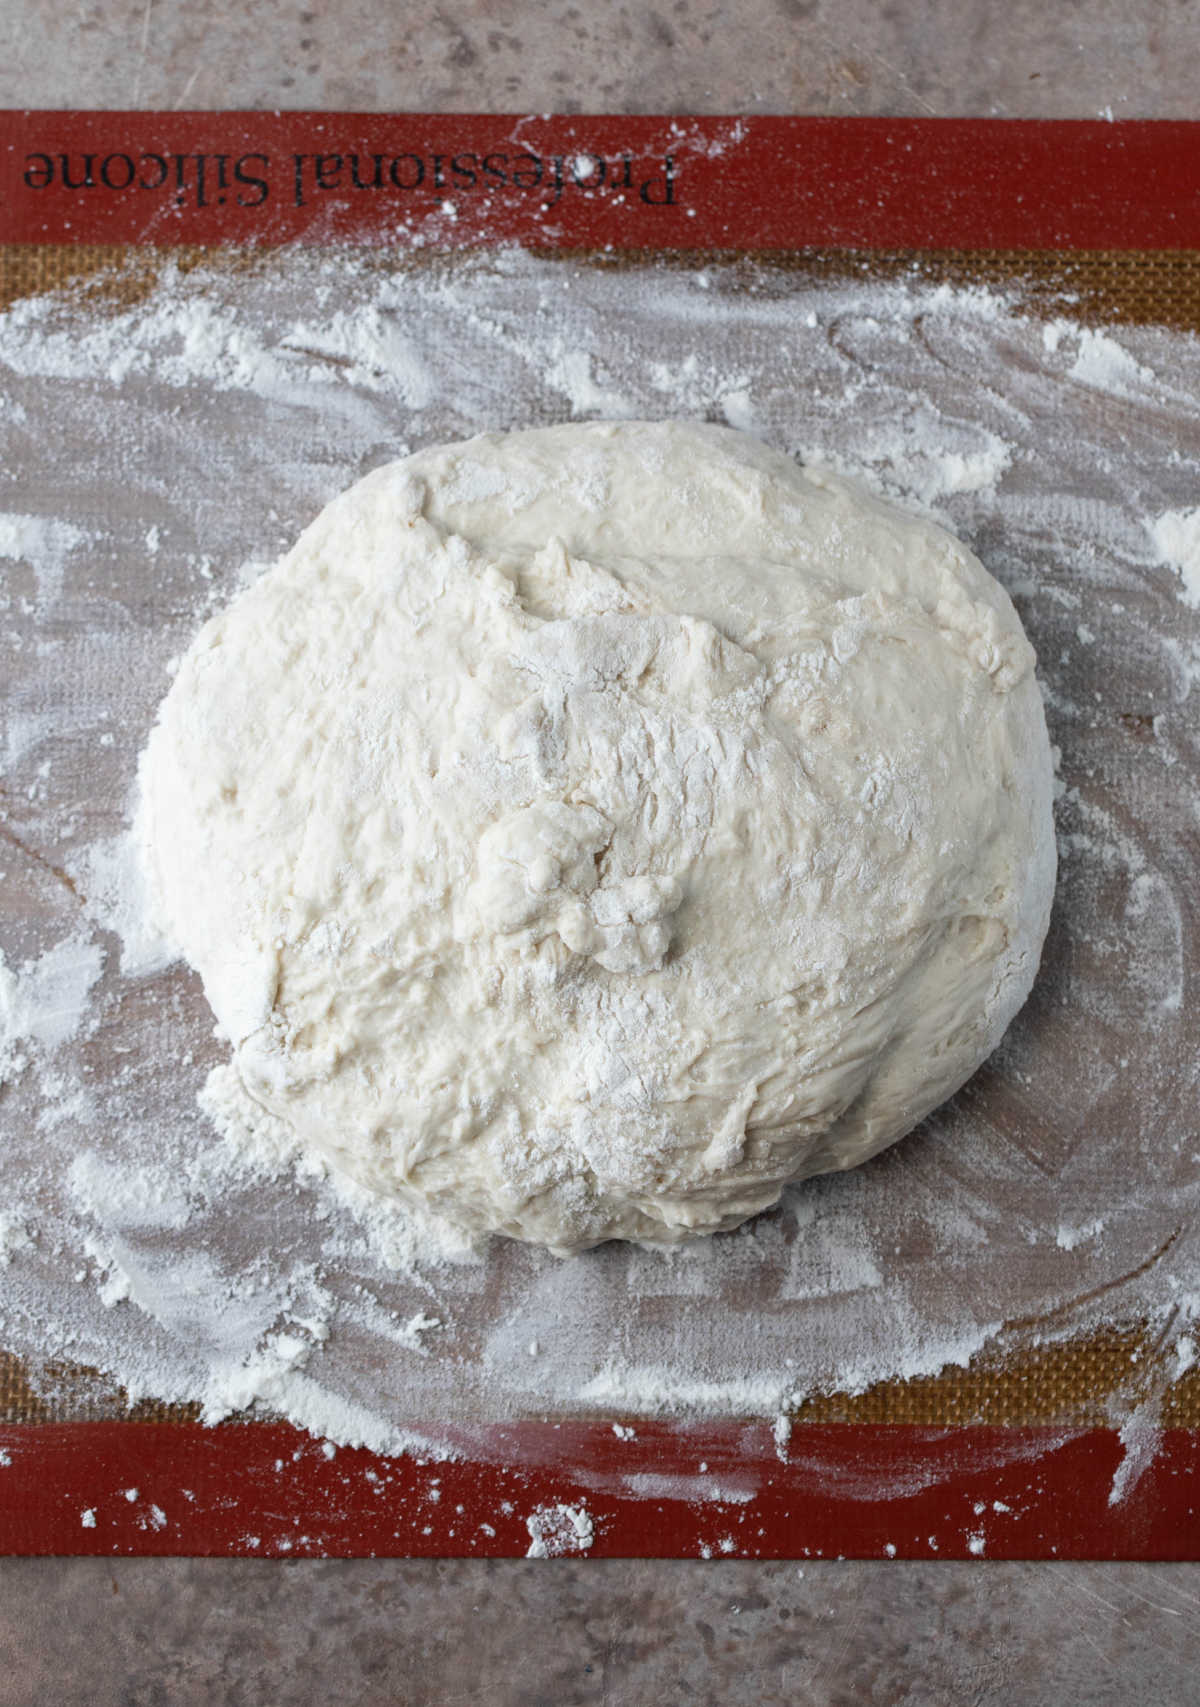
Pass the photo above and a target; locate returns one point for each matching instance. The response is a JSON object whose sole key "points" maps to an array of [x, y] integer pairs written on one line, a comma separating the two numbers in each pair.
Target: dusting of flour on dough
{"points": [[626, 850]]}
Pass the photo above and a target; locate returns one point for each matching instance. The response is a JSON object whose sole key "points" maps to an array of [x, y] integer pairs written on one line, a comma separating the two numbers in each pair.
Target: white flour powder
{"points": [[1177, 537], [558, 1529], [151, 449]]}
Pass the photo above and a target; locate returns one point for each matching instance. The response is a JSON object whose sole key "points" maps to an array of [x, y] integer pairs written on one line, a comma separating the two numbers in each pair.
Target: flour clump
{"points": [[585, 832]]}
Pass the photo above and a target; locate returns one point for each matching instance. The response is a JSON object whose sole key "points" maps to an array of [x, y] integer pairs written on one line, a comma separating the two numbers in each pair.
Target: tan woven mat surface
{"points": [[1148, 288]]}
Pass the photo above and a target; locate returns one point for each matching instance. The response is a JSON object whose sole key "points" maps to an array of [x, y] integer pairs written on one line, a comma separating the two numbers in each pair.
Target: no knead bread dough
{"points": [[587, 831]]}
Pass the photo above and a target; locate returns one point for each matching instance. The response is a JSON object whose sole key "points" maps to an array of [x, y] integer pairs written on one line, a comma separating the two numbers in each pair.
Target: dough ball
{"points": [[587, 831]]}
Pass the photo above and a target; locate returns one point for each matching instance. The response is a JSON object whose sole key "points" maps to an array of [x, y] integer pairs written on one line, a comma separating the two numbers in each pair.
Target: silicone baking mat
{"points": [[1013, 1456]]}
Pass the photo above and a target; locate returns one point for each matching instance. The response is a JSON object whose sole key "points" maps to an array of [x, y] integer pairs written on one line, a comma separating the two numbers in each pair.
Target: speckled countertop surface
{"points": [[186, 1632]]}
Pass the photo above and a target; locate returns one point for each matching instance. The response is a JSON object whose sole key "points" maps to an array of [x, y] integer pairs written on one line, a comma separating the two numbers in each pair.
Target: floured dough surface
{"points": [[588, 831]]}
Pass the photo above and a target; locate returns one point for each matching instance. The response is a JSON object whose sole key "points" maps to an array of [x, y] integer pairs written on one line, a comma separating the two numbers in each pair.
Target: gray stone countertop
{"points": [[137, 1633]]}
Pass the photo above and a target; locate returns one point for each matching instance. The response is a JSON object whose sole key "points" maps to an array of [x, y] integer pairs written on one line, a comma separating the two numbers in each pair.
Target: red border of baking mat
{"points": [[630, 182], [762, 184], [266, 1490]]}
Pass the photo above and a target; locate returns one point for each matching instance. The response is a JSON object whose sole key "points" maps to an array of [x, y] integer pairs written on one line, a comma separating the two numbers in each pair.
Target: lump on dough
{"points": [[588, 831]]}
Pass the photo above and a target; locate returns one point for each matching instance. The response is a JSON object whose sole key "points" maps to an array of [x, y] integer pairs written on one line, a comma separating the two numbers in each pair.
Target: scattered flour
{"points": [[1139, 1434], [44, 543], [110, 878], [1176, 536], [14, 1234], [1068, 1237], [189, 1253], [1106, 365], [44, 1002], [556, 1530], [1185, 1356]]}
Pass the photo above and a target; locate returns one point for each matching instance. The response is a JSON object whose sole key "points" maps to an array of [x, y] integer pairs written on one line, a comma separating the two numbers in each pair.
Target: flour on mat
{"points": [[44, 1001], [1176, 535], [555, 1530], [189, 1253], [44, 544]]}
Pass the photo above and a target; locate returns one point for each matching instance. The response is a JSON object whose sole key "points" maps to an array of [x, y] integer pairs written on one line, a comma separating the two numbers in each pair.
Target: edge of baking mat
{"points": [[727, 1490], [1072, 205], [763, 183]]}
